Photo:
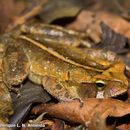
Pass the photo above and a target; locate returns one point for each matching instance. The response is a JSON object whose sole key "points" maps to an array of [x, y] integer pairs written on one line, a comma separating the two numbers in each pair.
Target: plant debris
{"points": [[113, 41], [86, 112], [28, 95]]}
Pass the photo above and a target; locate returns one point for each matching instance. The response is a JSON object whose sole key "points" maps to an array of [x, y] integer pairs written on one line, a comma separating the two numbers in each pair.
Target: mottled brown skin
{"points": [[15, 60], [55, 33], [62, 73], [6, 107], [99, 59], [101, 65], [70, 77]]}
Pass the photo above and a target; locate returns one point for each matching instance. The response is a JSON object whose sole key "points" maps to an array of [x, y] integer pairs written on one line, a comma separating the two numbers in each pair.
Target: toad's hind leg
{"points": [[16, 64], [5, 98]]}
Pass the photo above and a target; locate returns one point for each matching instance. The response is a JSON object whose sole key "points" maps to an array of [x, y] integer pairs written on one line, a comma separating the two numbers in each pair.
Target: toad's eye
{"points": [[100, 84]]}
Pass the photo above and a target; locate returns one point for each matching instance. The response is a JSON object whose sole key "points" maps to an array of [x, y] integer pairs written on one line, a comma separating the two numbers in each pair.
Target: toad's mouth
{"points": [[112, 93]]}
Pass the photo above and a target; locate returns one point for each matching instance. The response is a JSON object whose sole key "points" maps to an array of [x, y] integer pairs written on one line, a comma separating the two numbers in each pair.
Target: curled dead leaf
{"points": [[90, 20], [113, 41], [87, 112], [9, 9]]}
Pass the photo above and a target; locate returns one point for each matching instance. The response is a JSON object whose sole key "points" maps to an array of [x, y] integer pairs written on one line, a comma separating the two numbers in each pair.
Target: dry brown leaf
{"points": [[19, 20], [91, 20], [124, 127], [88, 112], [8, 10]]}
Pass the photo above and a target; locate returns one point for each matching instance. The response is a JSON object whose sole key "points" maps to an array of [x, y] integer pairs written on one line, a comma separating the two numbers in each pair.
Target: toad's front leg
{"points": [[16, 64]]}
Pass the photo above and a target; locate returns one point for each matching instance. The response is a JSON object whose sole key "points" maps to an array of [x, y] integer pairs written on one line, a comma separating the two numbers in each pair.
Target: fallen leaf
{"points": [[9, 9], [29, 94], [90, 20], [113, 41], [19, 20], [88, 112], [56, 9], [124, 127]]}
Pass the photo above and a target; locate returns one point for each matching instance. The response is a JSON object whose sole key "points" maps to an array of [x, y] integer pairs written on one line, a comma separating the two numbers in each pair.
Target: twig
{"points": [[124, 12], [119, 7], [22, 19]]}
